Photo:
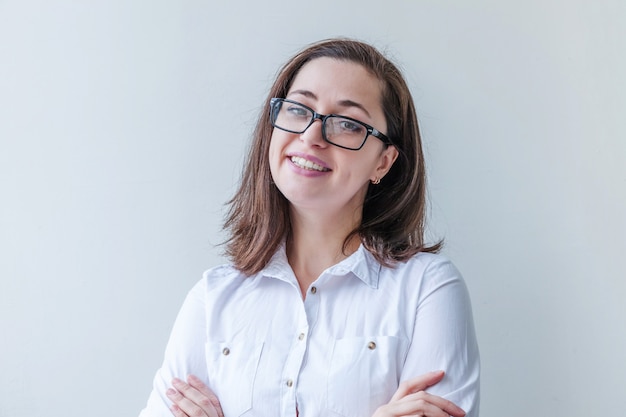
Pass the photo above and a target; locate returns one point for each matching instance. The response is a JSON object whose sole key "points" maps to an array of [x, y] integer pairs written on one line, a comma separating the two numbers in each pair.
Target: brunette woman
{"points": [[333, 303]]}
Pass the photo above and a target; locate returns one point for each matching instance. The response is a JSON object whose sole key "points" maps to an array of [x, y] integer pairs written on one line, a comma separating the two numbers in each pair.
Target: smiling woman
{"points": [[327, 225]]}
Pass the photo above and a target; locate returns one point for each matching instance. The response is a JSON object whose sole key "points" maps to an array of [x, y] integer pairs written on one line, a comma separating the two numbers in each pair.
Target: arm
{"points": [[184, 354], [444, 338], [196, 399]]}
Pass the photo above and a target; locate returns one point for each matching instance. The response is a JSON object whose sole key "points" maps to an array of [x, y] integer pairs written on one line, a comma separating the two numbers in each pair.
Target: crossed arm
{"points": [[194, 399]]}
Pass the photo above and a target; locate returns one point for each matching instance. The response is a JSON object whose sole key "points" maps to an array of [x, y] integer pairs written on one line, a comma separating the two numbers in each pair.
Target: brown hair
{"points": [[392, 226]]}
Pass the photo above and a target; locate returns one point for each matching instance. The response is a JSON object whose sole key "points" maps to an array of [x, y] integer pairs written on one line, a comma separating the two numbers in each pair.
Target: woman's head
{"points": [[322, 156], [393, 210]]}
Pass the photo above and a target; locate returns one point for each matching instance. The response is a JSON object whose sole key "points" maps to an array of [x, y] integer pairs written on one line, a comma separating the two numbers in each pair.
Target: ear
{"points": [[386, 159]]}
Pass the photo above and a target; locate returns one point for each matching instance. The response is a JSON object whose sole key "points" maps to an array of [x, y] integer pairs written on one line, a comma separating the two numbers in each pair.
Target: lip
{"points": [[307, 172]]}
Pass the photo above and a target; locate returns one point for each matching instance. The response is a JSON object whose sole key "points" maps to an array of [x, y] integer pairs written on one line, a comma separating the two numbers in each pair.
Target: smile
{"points": [[306, 164]]}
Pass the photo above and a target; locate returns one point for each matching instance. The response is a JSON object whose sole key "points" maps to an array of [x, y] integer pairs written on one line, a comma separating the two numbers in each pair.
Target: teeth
{"points": [[306, 164]]}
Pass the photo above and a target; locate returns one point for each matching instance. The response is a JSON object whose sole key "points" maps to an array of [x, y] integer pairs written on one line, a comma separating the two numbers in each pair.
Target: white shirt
{"points": [[342, 351]]}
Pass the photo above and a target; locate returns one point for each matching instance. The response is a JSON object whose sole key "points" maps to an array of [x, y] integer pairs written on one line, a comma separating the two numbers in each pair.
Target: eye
{"points": [[297, 111], [348, 126]]}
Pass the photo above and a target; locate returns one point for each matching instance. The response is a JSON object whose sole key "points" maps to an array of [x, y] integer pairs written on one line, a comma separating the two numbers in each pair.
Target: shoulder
{"points": [[218, 278], [221, 273], [424, 264], [424, 272]]}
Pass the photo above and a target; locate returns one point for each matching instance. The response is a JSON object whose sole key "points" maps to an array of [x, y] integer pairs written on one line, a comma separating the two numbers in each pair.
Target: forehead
{"points": [[334, 79]]}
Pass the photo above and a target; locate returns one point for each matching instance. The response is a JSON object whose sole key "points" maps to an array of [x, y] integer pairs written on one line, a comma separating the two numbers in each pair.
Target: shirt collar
{"points": [[361, 264]]}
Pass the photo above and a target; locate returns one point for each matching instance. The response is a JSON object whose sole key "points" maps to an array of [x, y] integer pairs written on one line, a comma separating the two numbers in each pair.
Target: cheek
{"points": [[277, 141], [275, 152]]}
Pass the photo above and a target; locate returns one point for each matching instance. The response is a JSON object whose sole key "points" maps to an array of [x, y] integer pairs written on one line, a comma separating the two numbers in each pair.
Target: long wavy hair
{"points": [[394, 211]]}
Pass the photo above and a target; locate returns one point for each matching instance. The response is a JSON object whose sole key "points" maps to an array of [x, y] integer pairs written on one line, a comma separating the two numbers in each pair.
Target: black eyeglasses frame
{"points": [[323, 117]]}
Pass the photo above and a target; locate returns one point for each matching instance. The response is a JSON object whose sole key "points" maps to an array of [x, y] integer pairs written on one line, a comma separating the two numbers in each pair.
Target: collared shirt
{"points": [[341, 351]]}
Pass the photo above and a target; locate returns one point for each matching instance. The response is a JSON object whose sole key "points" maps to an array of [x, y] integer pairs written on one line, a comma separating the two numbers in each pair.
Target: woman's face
{"points": [[312, 173]]}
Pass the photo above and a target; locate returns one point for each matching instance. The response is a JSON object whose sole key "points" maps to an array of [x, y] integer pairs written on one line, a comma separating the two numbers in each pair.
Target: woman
{"points": [[332, 298]]}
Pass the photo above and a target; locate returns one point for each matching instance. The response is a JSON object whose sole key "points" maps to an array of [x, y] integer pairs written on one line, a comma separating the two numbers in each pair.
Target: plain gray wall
{"points": [[123, 127]]}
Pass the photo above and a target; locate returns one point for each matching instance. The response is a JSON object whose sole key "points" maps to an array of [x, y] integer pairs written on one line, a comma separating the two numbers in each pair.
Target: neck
{"points": [[317, 242]]}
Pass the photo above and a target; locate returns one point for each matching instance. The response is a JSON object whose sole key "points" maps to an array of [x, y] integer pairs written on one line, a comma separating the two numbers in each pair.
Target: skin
{"points": [[193, 399], [324, 207]]}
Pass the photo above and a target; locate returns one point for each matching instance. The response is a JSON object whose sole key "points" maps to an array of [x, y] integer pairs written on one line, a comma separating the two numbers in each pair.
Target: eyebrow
{"points": [[342, 103]]}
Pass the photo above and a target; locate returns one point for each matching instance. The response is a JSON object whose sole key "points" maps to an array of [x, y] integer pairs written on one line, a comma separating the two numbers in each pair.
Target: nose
{"points": [[313, 134]]}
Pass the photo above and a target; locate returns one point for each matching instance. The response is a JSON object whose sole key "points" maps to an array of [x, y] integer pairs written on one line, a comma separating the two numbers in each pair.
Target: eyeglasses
{"points": [[342, 131]]}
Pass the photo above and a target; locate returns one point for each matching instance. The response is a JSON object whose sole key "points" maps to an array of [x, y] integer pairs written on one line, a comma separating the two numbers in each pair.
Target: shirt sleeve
{"points": [[184, 353], [444, 337]]}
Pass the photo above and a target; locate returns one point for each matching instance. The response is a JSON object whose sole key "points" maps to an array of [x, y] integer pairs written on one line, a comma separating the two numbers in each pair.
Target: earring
{"points": [[376, 181]]}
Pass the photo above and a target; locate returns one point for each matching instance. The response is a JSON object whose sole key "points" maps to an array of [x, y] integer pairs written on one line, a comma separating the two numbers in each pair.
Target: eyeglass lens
{"points": [[337, 130]]}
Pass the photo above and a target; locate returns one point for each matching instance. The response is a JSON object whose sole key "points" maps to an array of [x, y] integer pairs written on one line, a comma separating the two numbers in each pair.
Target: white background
{"points": [[123, 127]]}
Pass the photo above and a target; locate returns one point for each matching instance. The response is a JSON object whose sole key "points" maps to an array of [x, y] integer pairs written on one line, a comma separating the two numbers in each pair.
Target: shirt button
{"points": [[289, 383], [226, 351], [371, 345], [313, 290], [301, 336]]}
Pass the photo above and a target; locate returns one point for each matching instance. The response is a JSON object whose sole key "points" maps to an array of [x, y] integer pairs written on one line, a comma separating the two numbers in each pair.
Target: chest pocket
{"points": [[232, 372], [363, 374]]}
